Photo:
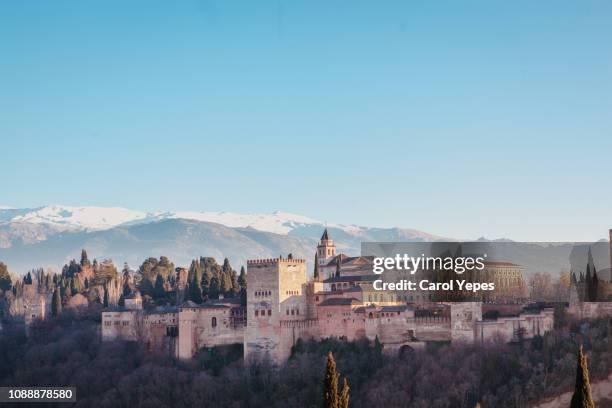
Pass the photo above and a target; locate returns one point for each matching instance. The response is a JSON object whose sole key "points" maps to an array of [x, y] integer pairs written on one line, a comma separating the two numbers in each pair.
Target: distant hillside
{"points": [[50, 236]]}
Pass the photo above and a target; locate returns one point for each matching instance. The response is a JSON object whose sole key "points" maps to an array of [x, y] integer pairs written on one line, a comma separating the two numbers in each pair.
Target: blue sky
{"points": [[461, 118]]}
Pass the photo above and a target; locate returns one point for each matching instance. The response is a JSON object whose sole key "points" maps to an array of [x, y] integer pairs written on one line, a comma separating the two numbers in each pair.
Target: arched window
{"points": [[214, 322]]}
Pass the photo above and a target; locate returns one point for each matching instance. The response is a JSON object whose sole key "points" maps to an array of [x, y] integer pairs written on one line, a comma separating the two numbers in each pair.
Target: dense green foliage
{"points": [[207, 279]]}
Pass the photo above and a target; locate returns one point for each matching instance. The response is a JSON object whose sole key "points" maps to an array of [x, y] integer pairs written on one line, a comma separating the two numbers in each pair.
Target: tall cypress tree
{"points": [[56, 303], [344, 395], [242, 278], [316, 266], [582, 393], [194, 290], [84, 258], [105, 297], [215, 286], [338, 266], [378, 353], [5, 278], [159, 289], [330, 383]]}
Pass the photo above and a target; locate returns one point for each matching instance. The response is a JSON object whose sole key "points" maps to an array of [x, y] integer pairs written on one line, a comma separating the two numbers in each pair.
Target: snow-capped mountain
{"points": [[54, 234], [75, 218], [67, 218]]}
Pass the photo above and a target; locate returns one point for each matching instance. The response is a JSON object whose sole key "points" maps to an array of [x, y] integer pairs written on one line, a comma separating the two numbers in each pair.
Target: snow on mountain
{"points": [[278, 222], [66, 218], [101, 218], [80, 218]]}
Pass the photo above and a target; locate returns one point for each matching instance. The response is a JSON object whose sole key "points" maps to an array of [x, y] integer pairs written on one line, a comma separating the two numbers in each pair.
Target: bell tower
{"points": [[326, 249]]}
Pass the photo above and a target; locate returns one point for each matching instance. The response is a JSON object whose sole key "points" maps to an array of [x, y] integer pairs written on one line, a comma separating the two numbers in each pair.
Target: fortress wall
{"points": [[497, 330], [291, 332], [512, 328], [120, 325], [590, 310], [463, 318], [340, 321], [391, 329], [432, 328], [206, 327]]}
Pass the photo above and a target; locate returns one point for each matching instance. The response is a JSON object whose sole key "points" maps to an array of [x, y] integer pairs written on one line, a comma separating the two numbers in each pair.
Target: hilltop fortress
{"points": [[283, 305]]}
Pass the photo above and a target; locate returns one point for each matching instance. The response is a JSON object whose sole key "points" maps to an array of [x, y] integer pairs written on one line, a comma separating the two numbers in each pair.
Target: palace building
{"points": [[284, 304]]}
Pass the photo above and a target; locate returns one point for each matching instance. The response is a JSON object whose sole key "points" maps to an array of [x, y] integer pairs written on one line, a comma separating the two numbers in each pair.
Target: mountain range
{"points": [[50, 236]]}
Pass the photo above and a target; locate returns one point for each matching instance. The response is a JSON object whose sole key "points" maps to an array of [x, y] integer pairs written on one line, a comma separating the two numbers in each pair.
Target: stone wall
{"points": [[207, 326]]}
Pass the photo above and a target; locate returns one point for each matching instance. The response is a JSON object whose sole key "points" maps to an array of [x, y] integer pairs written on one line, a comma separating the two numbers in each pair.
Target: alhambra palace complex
{"points": [[284, 305]]}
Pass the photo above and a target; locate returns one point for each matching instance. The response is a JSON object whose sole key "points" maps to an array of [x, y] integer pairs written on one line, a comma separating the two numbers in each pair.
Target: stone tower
{"points": [[326, 249], [275, 300], [464, 316]]}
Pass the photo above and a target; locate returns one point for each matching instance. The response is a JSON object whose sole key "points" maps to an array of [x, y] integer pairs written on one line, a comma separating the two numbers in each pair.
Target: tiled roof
{"points": [[499, 263], [351, 260], [162, 310], [398, 308], [209, 305], [340, 302], [355, 278], [226, 301]]}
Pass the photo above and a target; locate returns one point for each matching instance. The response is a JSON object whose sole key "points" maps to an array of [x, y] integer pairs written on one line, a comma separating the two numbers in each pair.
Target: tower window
{"points": [[214, 322]]}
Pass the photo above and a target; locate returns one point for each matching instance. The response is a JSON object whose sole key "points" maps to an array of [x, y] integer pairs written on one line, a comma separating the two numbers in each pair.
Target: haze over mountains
{"points": [[52, 235], [49, 236]]}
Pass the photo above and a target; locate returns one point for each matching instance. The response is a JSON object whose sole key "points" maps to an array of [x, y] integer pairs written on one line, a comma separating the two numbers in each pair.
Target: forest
{"points": [[67, 350]]}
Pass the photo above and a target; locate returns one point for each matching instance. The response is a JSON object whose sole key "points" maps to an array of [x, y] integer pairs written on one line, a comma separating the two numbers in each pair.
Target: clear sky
{"points": [[461, 118]]}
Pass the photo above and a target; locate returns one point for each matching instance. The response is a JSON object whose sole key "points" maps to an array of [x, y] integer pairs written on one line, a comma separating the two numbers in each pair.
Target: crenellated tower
{"points": [[275, 296]]}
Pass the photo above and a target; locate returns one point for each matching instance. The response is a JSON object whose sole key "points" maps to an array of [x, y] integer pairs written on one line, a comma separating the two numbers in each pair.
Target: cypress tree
{"points": [[582, 394], [215, 285], [159, 289], [5, 278], [242, 278], [235, 284], [84, 258], [338, 266], [194, 291], [344, 395], [316, 266], [121, 302], [330, 383], [378, 356], [105, 297], [56, 303]]}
